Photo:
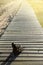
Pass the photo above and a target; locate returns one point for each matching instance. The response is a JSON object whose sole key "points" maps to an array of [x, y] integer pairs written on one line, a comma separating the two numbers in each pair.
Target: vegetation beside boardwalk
{"points": [[3, 2], [37, 5]]}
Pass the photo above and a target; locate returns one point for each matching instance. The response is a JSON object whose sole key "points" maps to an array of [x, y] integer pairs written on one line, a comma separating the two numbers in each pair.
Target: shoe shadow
{"points": [[10, 59]]}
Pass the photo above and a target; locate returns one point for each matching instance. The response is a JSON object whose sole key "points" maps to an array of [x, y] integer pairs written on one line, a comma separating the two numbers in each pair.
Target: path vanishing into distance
{"points": [[25, 30], [24, 26]]}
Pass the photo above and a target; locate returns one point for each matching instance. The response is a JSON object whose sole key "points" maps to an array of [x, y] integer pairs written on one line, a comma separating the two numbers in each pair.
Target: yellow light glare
{"points": [[37, 6]]}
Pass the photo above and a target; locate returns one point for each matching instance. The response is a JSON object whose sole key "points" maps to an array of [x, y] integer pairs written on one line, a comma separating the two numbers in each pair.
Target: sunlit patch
{"points": [[37, 6]]}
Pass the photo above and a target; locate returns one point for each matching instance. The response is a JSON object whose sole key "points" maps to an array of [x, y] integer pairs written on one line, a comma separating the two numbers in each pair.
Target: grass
{"points": [[3, 2], [37, 5]]}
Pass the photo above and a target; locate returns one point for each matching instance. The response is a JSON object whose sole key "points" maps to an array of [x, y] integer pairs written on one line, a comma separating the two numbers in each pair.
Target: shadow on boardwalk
{"points": [[10, 59]]}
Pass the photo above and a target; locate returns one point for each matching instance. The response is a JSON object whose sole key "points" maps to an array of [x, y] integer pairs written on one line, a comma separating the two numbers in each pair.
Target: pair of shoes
{"points": [[17, 49]]}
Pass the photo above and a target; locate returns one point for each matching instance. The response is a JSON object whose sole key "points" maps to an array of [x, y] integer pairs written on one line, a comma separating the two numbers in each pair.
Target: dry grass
{"points": [[38, 9], [3, 2]]}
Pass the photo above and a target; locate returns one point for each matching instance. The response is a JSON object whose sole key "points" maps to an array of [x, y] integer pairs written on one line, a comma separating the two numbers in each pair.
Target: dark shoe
{"points": [[17, 49]]}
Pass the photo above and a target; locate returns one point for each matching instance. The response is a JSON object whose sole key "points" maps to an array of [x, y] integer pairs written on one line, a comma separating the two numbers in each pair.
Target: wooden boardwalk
{"points": [[24, 30]]}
